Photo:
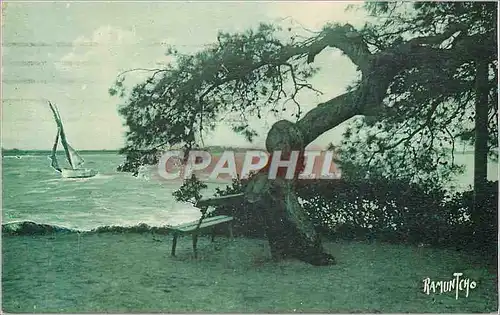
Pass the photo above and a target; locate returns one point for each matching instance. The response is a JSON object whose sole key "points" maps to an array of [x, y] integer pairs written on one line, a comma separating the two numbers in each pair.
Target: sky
{"points": [[71, 52]]}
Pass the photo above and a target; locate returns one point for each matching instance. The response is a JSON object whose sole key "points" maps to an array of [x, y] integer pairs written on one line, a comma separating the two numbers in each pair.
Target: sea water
{"points": [[33, 191]]}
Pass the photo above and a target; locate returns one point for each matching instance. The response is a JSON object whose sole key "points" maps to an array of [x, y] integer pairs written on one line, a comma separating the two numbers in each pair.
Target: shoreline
{"points": [[26, 227]]}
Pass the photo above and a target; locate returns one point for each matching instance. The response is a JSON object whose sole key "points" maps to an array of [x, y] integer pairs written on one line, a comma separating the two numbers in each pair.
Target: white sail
{"points": [[76, 160]]}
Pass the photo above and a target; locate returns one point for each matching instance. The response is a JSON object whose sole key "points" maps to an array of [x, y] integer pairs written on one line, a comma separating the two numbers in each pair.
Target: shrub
{"points": [[32, 228], [247, 221], [393, 210]]}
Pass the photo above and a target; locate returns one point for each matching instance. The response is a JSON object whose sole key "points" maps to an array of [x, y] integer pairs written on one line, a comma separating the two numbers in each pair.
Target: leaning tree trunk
{"points": [[289, 230]]}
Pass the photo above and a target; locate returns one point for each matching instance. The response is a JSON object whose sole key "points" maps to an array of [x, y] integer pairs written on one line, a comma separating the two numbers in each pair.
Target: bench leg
{"points": [[213, 234], [195, 240], [230, 226], [174, 244]]}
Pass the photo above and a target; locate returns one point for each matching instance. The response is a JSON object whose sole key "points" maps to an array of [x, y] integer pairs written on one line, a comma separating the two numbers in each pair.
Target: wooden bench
{"points": [[204, 223]]}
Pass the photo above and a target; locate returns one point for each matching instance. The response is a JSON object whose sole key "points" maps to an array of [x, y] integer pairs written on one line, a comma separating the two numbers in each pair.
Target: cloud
{"points": [[102, 54], [314, 15], [109, 51], [93, 64]]}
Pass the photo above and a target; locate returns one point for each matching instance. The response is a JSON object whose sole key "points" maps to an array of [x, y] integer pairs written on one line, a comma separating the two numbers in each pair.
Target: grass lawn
{"points": [[111, 272]]}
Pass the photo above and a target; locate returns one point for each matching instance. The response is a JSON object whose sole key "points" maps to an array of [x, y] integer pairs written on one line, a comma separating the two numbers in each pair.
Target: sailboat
{"points": [[74, 159]]}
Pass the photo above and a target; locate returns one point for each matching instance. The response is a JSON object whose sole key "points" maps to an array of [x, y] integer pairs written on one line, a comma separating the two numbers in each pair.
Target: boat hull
{"points": [[78, 173]]}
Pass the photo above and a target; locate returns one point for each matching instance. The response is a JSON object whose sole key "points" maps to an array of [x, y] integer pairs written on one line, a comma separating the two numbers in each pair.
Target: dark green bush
{"points": [[387, 210], [32, 228], [392, 210], [482, 233], [140, 228], [247, 221]]}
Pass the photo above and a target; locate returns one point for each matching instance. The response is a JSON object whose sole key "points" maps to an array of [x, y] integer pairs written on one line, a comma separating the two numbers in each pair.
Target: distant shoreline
{"points": [[21, 152], [214, 149], [26, 227], [15, 152]]}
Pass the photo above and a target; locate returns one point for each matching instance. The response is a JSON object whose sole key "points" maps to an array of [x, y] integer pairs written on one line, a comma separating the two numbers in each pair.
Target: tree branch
{"points": [[345, 38], [368, 97], [156, 71]]}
